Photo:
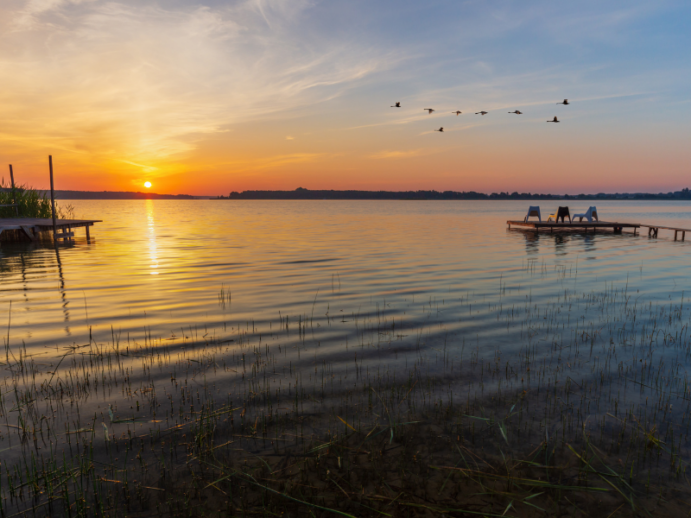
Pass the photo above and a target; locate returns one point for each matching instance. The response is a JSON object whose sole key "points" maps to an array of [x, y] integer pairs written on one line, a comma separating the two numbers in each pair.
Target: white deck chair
{"points": [[533, 211], [589, 215]]}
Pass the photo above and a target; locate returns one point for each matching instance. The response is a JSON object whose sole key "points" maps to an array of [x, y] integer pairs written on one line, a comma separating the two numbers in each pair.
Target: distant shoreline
{"points": [[307, 194], [120, 195]]}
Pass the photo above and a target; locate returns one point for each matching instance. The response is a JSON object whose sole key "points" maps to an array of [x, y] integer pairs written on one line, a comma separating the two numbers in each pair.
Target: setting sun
{"points": [[147, 184]]}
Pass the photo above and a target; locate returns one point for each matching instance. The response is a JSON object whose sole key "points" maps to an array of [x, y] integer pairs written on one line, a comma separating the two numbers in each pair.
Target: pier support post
{"points": [[52, 198], [14, 195]]}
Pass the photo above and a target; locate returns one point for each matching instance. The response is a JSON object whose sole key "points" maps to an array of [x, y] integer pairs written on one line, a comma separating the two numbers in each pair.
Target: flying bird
{"points": [[457, 112], [565, 101], [430, 110], [517, 112], [397, 105], [554, 119], [481, 113], [440, 129]]}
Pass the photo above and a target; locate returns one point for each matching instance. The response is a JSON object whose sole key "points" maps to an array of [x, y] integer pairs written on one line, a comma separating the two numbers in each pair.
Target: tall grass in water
{"points": [[31, 203], [589, 415]]}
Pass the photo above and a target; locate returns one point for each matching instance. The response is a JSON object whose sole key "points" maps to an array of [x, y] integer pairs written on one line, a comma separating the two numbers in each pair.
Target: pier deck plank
{"points": [[573, 226], [35, 225]]}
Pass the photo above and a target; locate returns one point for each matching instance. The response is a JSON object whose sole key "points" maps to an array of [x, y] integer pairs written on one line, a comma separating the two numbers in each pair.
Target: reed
{"points": [[586, 413], [31, 203]]}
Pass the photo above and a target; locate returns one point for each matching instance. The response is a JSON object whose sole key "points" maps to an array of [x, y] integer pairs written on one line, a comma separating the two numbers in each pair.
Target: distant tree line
{"points": [[306, 194], [117, 195], [109, 195]]}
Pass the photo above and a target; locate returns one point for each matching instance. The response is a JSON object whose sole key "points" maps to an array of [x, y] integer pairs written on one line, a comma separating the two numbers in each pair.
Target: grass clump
{"points": [[31, 203], [578, 405]]}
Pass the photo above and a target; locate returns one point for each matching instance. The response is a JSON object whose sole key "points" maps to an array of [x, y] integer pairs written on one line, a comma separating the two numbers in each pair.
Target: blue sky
{"points": [[276, 94]]}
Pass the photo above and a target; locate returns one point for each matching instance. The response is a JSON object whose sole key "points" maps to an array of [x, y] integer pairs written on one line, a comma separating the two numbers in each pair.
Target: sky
{"points": [[209, 97]]}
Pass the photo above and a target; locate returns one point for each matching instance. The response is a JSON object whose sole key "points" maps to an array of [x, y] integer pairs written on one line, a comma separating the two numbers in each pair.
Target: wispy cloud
{"points": [[273, 162], [389, 155], [141, 83]]}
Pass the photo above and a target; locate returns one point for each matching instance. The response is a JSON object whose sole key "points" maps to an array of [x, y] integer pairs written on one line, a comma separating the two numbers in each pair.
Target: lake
{"points": [[155, 267], [291, 326]]}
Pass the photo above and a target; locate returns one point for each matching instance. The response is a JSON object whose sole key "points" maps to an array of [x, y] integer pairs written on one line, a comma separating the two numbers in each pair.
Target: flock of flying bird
{"points": [[458, 112]]}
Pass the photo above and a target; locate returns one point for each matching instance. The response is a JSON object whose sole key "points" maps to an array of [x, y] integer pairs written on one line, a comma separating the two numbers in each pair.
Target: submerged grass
{"points": [[588, 414]]}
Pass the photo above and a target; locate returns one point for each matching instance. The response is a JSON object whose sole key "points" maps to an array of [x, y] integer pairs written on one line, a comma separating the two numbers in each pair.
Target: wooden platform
{"points": [[653, 230], [31, 227], [575, 226]]}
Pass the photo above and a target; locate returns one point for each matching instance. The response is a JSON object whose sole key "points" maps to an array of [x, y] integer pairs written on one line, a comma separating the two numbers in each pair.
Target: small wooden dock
{"points": [[32, 227], [653, 230], [575, 226]]}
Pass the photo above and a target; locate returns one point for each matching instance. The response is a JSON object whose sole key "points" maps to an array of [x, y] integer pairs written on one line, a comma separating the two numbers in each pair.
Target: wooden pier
{"points": [[653, 229], [62, 229], [31, 227], [575, 226]]}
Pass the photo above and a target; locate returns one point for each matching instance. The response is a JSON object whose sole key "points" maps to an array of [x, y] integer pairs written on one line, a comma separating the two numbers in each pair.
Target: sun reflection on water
{"points": [[153, 249]]}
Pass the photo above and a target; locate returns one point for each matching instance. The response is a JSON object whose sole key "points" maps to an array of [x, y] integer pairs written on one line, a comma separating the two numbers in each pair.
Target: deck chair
{"points": [[562, 212], [533, 211], [589, 215]]}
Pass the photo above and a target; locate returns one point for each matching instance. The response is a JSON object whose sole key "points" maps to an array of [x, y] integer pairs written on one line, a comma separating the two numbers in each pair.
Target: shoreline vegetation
{"points": [[588, 414], [31, 203]]}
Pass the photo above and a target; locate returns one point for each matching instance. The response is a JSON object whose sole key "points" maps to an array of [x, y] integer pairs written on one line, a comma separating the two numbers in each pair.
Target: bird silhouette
{"points": [[517, 112], [441, 130], [457, 112], [430, 110], [397, 105], [554, 119], [565, 101], [481, 113]]}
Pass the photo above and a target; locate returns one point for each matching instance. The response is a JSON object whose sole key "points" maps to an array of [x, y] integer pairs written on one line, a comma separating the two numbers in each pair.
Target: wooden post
{"points": [[52, 197], [14, 196]]}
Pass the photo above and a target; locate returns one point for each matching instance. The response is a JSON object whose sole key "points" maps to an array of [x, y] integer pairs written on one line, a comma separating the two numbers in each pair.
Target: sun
{"points": [[147, 184]]}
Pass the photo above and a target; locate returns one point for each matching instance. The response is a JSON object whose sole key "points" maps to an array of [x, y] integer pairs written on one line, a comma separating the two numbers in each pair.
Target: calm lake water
{"points": [[155, 269], [272, 327]]}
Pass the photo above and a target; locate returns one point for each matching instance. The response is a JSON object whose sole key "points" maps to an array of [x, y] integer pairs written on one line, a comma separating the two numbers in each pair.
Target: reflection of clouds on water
{"points": [[153, 249], [278, 257]]}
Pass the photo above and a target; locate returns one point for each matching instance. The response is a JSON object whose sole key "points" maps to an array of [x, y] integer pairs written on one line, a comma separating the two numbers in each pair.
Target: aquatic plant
{"points": [[585, 413], [31, 203]]}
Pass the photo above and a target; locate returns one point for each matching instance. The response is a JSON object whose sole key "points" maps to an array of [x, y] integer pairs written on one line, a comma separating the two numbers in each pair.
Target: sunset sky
{"points": [[208, 97]]}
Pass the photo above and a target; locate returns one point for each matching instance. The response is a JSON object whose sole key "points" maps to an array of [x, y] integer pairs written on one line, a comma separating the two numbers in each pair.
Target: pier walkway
{"points": [[585, 226], [582, 226], [653, 229], [31, 227]]}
